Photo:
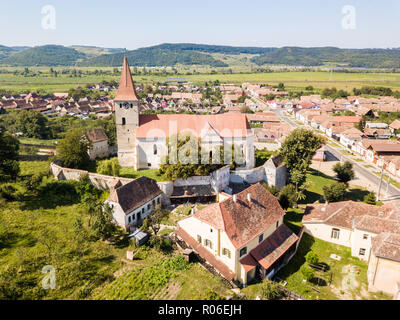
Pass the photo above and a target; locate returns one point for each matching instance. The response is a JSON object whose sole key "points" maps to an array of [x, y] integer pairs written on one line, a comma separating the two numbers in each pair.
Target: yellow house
{"points": [[242, 236]]}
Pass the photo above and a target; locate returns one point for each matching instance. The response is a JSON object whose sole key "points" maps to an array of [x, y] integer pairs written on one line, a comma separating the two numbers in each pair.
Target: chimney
{"points": [[249, 197], [234, 198]]}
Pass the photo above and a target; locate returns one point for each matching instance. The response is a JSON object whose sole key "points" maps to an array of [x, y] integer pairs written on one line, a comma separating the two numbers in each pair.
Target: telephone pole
{"points": [[380, 185]]}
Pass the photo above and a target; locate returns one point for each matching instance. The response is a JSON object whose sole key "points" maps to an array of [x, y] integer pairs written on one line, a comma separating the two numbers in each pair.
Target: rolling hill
{"points": [[169, 54]]}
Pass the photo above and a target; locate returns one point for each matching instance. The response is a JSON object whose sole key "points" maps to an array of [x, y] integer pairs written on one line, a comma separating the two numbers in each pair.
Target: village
{"points": [[233, 220]]}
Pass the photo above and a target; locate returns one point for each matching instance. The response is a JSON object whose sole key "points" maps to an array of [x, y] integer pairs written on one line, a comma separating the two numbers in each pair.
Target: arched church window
{"points": [[120, 105], [123, 121], [155, 149]]}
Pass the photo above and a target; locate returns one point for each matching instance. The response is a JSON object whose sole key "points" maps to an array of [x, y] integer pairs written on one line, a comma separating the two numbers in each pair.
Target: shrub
{"points": [[307, 273], [178, 263], [344, 171], [312, 258], [370, 198], [274, 190], [287, 196], [271, 290], [334, 192], [9, 192]]}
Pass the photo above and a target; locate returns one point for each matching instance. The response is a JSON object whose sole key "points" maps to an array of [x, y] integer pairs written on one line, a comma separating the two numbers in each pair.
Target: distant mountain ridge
{"points": [[172, 54]]}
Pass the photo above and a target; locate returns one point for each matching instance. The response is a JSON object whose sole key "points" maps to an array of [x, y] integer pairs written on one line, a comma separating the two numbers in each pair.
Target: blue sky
{"points": [[133, 24]]}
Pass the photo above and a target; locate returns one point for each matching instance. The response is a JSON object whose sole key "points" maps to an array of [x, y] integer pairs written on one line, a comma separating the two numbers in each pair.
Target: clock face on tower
{"points": [[126, 105]]}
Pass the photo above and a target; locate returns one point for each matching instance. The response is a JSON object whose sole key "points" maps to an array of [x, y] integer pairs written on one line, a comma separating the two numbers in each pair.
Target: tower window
{"points": [[123, 121], [155, 149]]}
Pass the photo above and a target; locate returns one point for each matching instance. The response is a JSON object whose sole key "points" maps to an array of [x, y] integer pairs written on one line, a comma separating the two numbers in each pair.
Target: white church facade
{"points": [[143, 139]]}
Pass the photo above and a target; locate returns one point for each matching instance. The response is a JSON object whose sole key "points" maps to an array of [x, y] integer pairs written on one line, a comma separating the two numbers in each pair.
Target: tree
{"points": [[312, 258], [287, 196], [370, 198], [299, 148], [32, 124], [103, 225], [109, 167], [154, 220], [246, 109], [344, 172], [9, 165], [271, 290], [334, 192], [72, 151], [274, 190], [307, 272]]}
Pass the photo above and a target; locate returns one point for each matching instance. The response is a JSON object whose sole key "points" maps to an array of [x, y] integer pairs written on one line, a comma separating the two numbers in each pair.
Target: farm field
{"points": [[292, 80]]}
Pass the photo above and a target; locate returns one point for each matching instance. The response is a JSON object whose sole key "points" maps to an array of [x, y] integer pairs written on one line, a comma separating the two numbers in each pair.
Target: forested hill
{"points": [[156, 56], [49, 55], [364, 58], [169, 54]]}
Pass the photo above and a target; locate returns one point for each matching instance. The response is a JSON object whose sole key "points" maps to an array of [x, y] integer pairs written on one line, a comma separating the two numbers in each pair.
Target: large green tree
{"points": [[32, 124], [72, 151], [344, 171], [9, 165]]}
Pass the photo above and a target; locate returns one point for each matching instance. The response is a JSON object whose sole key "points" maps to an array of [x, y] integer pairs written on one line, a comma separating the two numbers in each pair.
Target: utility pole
{"points": [[380, 185], [387, 187]]}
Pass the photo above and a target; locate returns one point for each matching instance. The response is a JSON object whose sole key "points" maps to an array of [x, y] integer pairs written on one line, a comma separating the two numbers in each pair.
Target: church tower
{"points": [[126, 106]]}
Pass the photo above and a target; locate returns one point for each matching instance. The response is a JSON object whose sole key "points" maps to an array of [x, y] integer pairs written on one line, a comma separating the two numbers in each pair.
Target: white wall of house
{"points": [[324, 232], [361, 240], [125, 220], [151, 150], [98, 150]]}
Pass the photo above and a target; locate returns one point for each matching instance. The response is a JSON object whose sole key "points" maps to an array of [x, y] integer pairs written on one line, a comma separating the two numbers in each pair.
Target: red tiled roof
{"points": [[248, 263], [272, 248], [387, 245], [226, 125], [205, 254]]}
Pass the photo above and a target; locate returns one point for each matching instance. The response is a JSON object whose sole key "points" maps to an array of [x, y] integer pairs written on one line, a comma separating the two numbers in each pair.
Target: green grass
{"points": [[31, 167], [51, 142], [165, 231], [292, 80], [317, 180], [150, 173], [292, 275]]}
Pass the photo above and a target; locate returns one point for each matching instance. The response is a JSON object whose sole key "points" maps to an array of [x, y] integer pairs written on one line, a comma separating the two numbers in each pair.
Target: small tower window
{"points": [[155, 149], [123, 121]]}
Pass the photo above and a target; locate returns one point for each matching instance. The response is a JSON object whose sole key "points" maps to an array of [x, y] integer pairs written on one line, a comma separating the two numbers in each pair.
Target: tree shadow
{"points": [[356, 194], [319, 282], [310, 197], [299, 258]]}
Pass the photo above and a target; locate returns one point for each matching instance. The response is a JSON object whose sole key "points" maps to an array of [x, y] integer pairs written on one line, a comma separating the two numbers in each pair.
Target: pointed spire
{"points": [[126, 89]]}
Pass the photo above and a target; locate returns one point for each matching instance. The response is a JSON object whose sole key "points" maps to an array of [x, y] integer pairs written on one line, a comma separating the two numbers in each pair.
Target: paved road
{"points": [[393, 192]]}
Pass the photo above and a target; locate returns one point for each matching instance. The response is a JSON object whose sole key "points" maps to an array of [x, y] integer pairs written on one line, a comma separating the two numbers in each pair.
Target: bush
{"points": [[9, 192], [271, 290], [344, 171], [274, 190], [307, 273], [33, 182], [334, 192], [178, 263], [287, 196], [370, 198], [312, 258]]}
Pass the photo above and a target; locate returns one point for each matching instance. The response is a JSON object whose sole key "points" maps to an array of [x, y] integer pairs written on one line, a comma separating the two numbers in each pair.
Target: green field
{"points": [[292, 80]]}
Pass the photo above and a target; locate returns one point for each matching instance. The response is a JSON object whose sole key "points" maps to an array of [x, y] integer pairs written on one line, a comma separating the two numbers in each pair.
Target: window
{"points": [[277, 224], [226, 252], [123, 121], [362, 252], [335, 233], [211, 230], [198, 238], [243, 251], [208, 243], [158, 200], [142, 210], [148, 206], [155, 149], [365, 236], [260, 238], [129, 219]]}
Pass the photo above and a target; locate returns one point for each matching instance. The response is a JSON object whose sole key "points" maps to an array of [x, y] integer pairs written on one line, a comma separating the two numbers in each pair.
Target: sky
{"points": [[262, 23]]}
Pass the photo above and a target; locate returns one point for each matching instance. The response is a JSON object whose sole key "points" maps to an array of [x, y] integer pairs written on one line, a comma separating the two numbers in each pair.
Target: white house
{"points": [[242, 236], [99, 143], [134, 201]]}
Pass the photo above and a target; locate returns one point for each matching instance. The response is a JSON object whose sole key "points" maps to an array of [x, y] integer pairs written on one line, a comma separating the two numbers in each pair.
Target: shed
{"points": [[140, 237]]}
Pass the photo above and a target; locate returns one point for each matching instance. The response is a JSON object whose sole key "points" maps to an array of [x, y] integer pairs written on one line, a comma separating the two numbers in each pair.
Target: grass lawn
{"points": [[150, 173], [52, 142], [30, 167], [317, 180], [337, 289]]}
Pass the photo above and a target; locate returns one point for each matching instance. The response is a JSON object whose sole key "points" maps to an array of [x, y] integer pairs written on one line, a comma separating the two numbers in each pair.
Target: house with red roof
{"points": [[242, 236]]}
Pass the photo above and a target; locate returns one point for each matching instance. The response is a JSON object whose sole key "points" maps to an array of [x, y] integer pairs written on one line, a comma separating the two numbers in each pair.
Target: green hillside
{"points": [[363, 58], [92, 51], [155, 56], [48, 55]]}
